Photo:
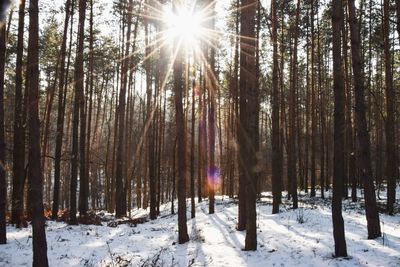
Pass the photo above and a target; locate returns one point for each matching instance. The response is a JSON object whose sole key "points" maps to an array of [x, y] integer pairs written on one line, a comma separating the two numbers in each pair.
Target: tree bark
{"points": [[364, 157], [339, 124], [276, 148], [83, 179], [34, 170], [3, 184], [391, 151], [19, 128], [120, 197], [181, 137], [292, 161], [60, 115], [249, 117]]}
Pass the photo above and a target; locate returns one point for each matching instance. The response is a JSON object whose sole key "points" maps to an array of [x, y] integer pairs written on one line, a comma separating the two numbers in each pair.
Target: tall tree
{"points": [[83, 179], [392, 157], [60, 114], [78, 95], [292, 168], [339, 123], [3, 184], [120, 203], [249, 117], [34, 170], [19, 127], [313, 106], [241, 120], [181, 136], [276, 148], [364, 156], [212, 87]]}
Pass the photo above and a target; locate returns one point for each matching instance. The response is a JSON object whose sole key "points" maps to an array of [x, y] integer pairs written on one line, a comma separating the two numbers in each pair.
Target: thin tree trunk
{"points": [[34, 171], [120, 193], [313, 107], [339, 124], [292, 168], [276, 149], [391, 151], [83, 179], [192, 152], [249, 117], [19, 128], [77, 106], [60, 115], [181, 136], [3, 184]]}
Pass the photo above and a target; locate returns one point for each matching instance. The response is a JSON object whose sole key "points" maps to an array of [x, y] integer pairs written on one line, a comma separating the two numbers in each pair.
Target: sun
{"points": [[184, 26]]}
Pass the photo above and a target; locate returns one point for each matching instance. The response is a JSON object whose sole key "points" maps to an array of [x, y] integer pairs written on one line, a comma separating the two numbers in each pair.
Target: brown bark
{"points": [[249, 118], [391, 151], [19, 128], [120, 197], [181, 137], [60, 114], [292, 161], [364, 157], [34, 170], [339, 124], [313, 106], [83, 179], [3, 184]]}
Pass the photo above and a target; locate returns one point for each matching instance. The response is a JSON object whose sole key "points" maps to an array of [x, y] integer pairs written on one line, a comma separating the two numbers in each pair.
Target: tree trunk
{"points": [[391, 151], [83, 179], [181, 137], [78, 95], [60, 115], [211, 83], [120, 193], [313, 107], [276, 148], [3, 184], [34, 171], [192, 152], [339, 124], [292, 161], [364, 157], [19, 128], [249, 117]]}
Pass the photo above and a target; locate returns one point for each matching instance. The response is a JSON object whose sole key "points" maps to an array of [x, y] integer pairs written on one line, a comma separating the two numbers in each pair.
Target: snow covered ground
{"points": [[300, 237]]}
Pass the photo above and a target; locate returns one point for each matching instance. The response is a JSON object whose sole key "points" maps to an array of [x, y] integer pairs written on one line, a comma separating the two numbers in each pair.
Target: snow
{"points": [[300, 237]]}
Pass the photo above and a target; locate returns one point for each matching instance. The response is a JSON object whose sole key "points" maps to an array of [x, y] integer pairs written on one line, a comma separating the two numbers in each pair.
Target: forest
{"points": [[199, 133]]}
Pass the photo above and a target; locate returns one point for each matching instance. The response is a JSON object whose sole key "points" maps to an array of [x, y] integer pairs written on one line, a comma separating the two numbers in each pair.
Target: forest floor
{"points": [[301, 237]]}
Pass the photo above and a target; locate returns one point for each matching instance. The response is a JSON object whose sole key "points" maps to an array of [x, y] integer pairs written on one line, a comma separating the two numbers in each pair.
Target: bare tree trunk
{"points": [[34, 171], [249, 117], [192, 152], [83, 179], [3, 184], [276, 148], [292, 161], [90, 86], [60, 114], [339, 124], [181, 136], [391, 157], [313, 107], [120, 193], [19, 128], [77, 106]]}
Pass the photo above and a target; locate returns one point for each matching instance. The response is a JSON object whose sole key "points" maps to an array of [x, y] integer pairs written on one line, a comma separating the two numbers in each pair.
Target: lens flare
{"points": [[213, 177], [185, 25]]}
